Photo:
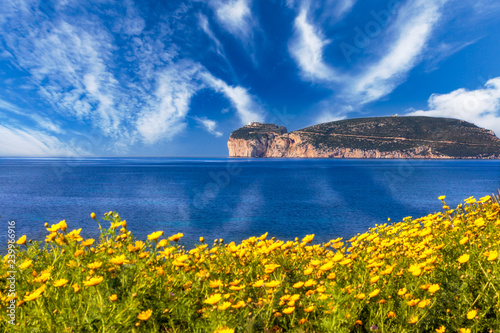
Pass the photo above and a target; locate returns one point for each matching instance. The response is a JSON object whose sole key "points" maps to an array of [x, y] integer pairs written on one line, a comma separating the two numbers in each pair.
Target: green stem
{"points": [[485, 274], [101, 308], [42, 315]]}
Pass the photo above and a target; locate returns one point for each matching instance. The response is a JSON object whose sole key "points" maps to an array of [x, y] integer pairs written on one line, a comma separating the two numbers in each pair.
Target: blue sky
{"points": [[174, 78]]}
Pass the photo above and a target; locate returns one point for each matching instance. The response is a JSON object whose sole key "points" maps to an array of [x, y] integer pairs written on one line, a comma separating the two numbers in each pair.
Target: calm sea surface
{"points": [[232, 198]]}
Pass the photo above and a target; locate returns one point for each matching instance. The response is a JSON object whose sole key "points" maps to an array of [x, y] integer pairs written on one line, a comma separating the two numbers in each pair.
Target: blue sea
{"points": [[232, 198]]}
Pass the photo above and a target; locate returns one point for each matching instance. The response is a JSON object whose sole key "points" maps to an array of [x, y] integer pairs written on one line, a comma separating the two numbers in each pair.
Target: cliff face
{"points": [[384, 137], [254, 140]]}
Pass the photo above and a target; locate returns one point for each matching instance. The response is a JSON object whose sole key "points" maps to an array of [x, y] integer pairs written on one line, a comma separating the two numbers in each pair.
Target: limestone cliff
{"points": [[383, 137]]}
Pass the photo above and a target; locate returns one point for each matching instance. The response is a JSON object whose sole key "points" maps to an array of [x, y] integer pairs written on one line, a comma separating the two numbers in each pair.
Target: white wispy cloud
{"points": [[219, 47], [205, 26], [488, 7], [149, 54], [338, 8], [480, 106], [208, 124], [247, 108], [68, 62], [165, 116], [445, 50], [8, 106], [399, 47], [40, 119], [236, 17], [330, 10], [411, 30], [73, 60], [167, 109], [29, 142], [131, 23], [306, 47], [344, 6], [46, 123]]}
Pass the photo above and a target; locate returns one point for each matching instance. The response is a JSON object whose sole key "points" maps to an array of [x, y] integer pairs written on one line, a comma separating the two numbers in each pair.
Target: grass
{"points": [[437, 273]]}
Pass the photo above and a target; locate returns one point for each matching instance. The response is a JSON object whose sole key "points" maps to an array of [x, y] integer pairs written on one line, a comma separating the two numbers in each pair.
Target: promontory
{"points": [[379, 137]]}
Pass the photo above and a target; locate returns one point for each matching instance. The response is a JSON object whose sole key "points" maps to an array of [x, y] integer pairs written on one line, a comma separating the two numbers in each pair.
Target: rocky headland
{"points": [[380, 137]]}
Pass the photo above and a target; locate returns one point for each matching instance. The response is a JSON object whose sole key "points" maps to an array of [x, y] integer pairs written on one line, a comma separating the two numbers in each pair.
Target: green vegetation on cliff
{"points": [[255, 131]]}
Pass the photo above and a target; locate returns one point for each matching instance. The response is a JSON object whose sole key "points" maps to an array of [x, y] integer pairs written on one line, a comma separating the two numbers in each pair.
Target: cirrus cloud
{"points": [[18, 141], [208, 124], [411, 30], [235, 16], [306, 47]]}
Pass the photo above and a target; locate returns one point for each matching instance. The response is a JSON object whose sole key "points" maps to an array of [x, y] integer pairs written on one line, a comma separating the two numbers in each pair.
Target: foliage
{"points": [[257, 131], [432, 274]]}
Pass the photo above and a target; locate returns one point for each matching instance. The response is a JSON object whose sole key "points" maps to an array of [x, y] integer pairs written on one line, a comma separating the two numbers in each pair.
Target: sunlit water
{"points": [[233, 198]]}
